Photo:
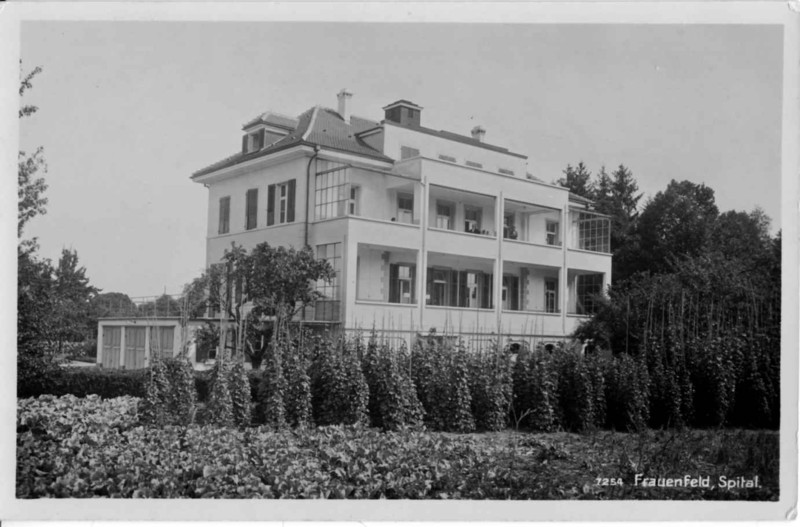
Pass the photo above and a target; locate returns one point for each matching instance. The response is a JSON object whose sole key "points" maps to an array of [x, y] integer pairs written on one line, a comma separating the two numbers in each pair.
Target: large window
{"points": [[444, 215], [280, 202], [224, 215], [327, 307], [331, 194], [454, 288], [251, 209], [353, 207], [594, 233], [402, 283], [588, 287]]}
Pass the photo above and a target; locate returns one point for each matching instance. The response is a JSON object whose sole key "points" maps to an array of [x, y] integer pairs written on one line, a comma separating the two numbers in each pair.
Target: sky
{"points": [[129, 110]]}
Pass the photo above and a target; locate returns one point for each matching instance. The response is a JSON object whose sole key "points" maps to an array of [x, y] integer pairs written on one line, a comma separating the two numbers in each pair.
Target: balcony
{"points": [[459, 211], [529, 223], [590, 231], [372, 194]]}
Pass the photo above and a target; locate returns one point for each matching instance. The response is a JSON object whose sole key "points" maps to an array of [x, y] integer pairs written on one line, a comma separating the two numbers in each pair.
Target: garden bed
{"points": [[90, 447]]}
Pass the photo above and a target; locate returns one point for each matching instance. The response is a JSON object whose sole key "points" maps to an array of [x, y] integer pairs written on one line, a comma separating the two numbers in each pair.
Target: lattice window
{"points": [[327, 308], [594, 233], [331, 194]]}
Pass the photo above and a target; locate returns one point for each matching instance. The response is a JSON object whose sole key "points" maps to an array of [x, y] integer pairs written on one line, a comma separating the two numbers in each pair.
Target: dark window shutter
{"points": [[251, 220], [271, 205], [413, 274], [453, 284], [244, 143], [290, 200], [394, 286], [429, 286]]}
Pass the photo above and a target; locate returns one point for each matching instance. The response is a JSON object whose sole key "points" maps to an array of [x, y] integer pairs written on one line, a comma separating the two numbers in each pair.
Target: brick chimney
{"points": [[478, 133], [344, 108]]}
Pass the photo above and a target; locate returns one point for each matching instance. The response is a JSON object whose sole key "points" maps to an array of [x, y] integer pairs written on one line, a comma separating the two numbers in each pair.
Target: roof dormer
{"points": [[404, 112]]}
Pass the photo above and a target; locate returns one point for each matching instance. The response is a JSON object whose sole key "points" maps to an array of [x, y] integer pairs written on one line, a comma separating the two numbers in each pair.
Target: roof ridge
{"points": [[310, 126]]}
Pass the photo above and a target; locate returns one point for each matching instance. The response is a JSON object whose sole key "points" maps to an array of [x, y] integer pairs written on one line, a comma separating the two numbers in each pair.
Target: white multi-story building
{"points": [[426, 229]]}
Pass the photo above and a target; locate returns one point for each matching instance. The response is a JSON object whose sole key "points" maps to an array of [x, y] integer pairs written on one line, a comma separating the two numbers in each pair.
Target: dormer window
{"points": [[253, 142]]}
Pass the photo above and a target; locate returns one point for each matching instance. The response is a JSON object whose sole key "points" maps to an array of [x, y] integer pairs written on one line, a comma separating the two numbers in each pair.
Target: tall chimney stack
{"points": [[344, 107], [478, 133]]}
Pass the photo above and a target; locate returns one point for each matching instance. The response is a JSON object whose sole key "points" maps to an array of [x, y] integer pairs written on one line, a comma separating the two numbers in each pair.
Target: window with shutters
{"points": [[551, 236], [407, 152], [438, 287], [328, 306], [402, 283], [281, 202], [224, 215], [251, 209]]}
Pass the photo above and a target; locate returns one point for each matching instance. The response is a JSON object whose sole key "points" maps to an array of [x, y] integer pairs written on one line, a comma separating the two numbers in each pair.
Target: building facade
{"points": [[426, 229]]}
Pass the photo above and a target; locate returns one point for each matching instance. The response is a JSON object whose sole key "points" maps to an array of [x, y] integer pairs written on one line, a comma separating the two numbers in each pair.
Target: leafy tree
{"points": [[675, 223], [268, 283], [71, 299], [618, 196], [31, 200], [112, 304], [578, 180]]}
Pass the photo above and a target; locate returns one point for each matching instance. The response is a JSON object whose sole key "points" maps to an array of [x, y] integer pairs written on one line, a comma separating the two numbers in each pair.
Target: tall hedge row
{"points": [[313, 381]]}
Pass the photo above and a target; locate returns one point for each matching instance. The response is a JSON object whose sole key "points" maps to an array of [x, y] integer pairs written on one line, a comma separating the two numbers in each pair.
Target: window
{"points": [[162, 340], [510, 293], [509, 227], [224, 215], [506, 172], [352, 206], [588, 287], [331, 194], [402, 283], [405, 208], [328, 306], [282, 197], [473, 164], [251, 209], [594, 233], [551, 233], [444, 215], [472, 220], [253, 141], [450, 159], [407, 152], [551, 295], [475, 289], [438, 286]]}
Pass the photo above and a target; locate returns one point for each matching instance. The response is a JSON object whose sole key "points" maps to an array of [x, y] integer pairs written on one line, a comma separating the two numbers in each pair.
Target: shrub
{"points": [[441, 376], [339, 391], [575, 392], [170, 395], [627, 393], [239, 389], [393, 402], [270, 404], [491, 388], [298, 387], [219, 409]]}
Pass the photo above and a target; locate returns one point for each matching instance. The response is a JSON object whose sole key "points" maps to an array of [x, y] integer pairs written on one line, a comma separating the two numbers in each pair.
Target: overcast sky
{"points": [[129, 110]]}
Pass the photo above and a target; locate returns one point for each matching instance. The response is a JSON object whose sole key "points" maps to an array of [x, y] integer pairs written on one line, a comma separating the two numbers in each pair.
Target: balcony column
{"points": [[347, 282], [422, 256], [498, 275], [563, 274]]}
